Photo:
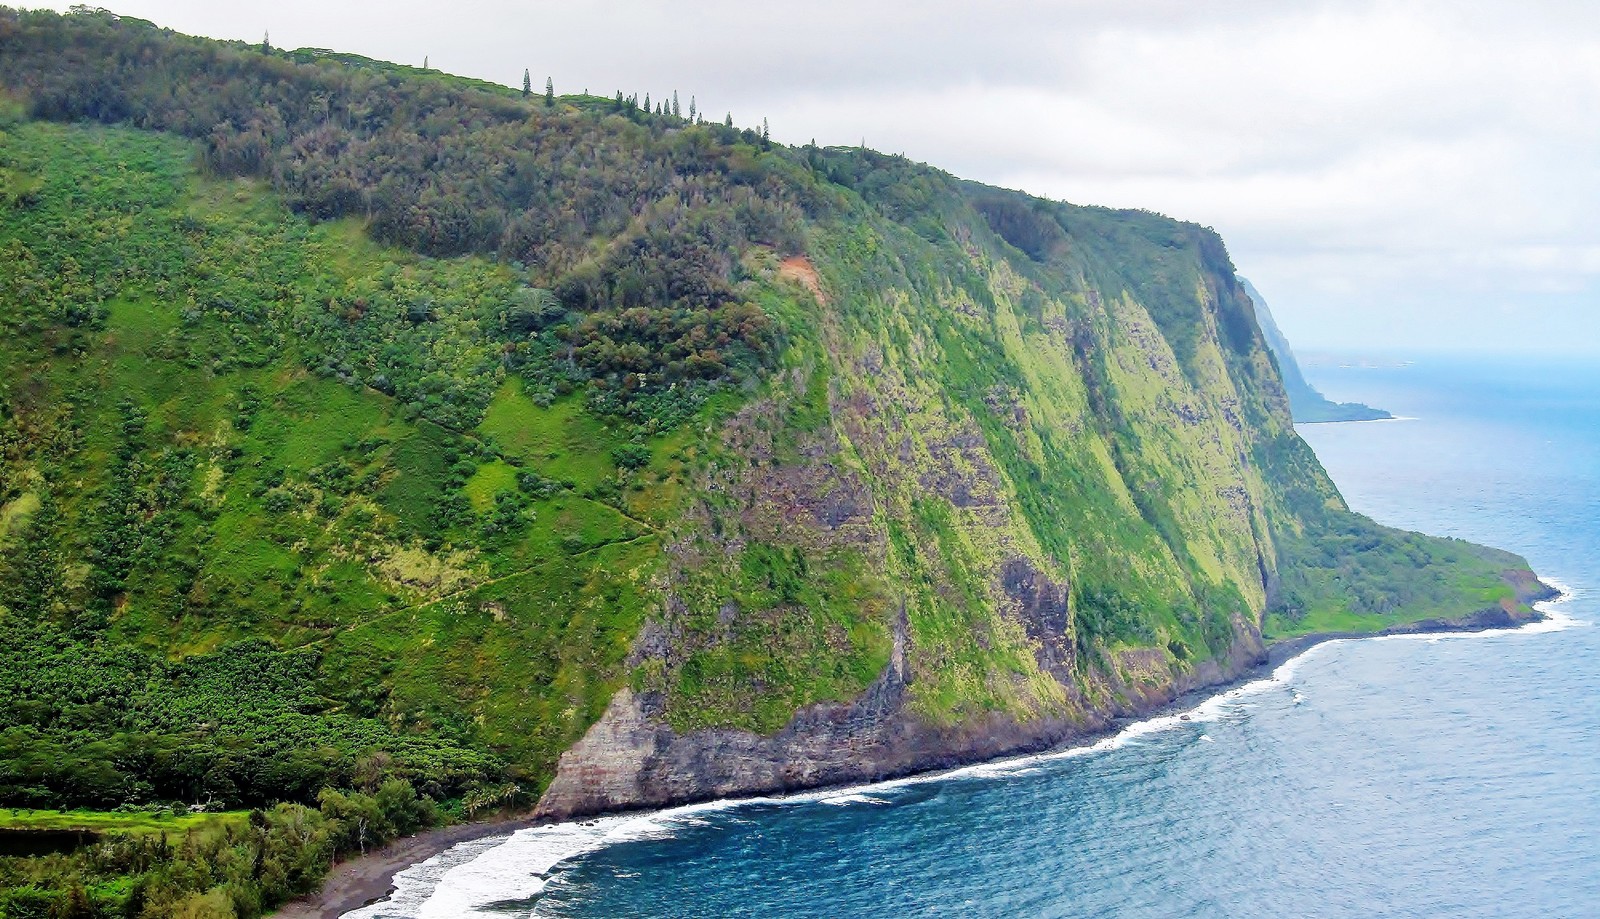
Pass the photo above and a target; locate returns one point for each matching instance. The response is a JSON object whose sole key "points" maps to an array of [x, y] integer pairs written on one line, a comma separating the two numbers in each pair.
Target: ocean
{"points": [[1436, 776]]}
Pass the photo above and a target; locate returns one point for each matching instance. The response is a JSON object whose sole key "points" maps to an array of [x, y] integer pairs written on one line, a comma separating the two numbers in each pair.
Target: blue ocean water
{"points": [[1437, 777]]}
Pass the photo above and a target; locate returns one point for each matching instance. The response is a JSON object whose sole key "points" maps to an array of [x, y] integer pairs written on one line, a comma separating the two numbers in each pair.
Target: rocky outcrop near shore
{"points": [[631, 758]]}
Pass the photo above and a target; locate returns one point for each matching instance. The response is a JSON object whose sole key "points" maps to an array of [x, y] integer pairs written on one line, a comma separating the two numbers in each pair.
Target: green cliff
{"points": [[358, 423]]}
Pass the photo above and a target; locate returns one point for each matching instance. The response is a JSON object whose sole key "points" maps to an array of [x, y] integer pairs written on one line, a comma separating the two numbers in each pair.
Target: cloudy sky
{"points": [[1399, 175]]}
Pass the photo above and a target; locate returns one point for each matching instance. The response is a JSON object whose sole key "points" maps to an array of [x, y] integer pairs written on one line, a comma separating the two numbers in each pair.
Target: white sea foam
{"points": [[468, 879], [841, 800], [471, 879]]}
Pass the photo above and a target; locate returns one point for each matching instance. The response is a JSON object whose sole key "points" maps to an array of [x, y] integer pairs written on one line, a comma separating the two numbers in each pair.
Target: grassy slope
{"points": [[266, 540]]}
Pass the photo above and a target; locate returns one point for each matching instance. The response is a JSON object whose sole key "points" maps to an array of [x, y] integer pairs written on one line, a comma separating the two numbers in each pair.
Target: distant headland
{"points": [[1305, 402]]}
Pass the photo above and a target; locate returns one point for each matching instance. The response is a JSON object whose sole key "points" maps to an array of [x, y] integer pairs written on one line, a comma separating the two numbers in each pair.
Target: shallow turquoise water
{"points": [[1449, 777]]}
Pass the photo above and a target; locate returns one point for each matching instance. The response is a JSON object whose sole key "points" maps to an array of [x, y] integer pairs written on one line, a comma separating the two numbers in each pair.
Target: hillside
{"points": [[360, 425], [1306, 403]]}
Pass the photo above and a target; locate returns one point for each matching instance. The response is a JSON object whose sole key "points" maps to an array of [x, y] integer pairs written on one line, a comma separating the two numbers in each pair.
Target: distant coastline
{"points": [[1355, 420], [1341, 412], [1306, 403]]}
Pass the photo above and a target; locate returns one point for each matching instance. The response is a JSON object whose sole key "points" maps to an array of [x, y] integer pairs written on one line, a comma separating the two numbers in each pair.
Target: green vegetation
{"points": [[365, 430], [137, 823], [212, 475], [771, 634], [238, 865], [1365, 578]]}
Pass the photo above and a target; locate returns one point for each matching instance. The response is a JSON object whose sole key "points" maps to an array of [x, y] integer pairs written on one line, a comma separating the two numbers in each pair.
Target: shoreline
{"points": [[368, 879]]}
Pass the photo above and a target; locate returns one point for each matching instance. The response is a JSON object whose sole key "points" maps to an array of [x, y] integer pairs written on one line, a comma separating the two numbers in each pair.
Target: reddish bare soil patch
{"points": [[799, 268]]}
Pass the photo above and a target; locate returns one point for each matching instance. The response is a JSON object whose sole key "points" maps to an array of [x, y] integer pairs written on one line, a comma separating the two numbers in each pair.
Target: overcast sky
{"points": [[1396, 175]]}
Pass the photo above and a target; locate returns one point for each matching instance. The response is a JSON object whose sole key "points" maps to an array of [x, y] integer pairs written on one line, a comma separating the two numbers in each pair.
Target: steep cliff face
{"points": [[1057, 481]]}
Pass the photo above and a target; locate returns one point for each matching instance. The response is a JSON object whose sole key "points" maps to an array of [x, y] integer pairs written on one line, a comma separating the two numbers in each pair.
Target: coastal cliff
{"points": [[1063, 507], [365, 425]]}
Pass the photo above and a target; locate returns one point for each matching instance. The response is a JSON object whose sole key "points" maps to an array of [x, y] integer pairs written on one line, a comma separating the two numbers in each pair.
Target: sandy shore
{"points": [[369, 878], [356, 882]]}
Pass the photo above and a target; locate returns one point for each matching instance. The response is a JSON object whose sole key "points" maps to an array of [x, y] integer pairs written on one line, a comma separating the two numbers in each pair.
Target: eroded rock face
{"points": [[979, 456], [1043, 609], [632, 759]]}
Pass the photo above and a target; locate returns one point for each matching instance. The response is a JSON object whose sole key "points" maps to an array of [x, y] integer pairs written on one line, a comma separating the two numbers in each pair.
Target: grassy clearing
{"points": [[561, 441], [173, 826]]}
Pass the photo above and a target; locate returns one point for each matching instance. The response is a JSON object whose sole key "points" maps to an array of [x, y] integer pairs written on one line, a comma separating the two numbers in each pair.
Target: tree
{"points": [[549, 91], [266, 42], [424, 62], [676, 113], [765, 137], [729, 121], [527, 84], [647, 103]]}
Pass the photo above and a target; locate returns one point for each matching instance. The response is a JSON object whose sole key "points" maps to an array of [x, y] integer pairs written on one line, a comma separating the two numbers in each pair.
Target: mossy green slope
{"points": [[183, 471]]}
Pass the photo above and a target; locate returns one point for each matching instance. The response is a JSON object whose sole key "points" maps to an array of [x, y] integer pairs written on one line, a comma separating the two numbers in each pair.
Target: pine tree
{"points": [[764, 135], [266, 42], [691, 109], [527, 84], [729, 121], [675, 111], [647, 108], [549, 91]]}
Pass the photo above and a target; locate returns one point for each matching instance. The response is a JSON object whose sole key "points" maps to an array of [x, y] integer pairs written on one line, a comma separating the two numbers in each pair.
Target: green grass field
{"points": [[173, 826]]}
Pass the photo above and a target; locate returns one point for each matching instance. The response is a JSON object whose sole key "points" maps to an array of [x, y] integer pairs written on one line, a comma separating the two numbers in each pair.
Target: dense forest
{"points": [[366, 431], [629, 218]]}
